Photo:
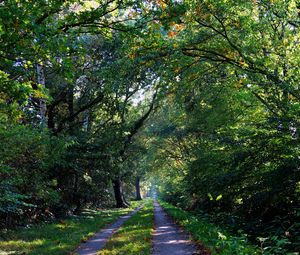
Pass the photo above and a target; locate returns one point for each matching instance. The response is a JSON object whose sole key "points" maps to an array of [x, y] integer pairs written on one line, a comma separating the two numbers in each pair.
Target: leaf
{"points": [[219, 197], [172, 34]]}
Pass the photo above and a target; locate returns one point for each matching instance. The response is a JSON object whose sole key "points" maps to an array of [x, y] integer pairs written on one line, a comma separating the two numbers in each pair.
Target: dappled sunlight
{"points": [[106, 103], [21, 245], [168, 238], [58, 238], [134, 237]]}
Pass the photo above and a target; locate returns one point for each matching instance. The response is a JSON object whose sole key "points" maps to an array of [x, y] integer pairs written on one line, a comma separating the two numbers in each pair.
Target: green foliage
{"points": [[218, 240], [60, 237], [11, 93], [27, 155], [224, 137]]}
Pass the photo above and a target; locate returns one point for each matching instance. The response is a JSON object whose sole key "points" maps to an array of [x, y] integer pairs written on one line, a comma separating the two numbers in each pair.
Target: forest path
{"points": [[98, 241], [168, 238]]}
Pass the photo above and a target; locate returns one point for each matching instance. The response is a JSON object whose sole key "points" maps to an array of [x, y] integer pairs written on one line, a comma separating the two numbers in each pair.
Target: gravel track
{"points": [[168, 238]]}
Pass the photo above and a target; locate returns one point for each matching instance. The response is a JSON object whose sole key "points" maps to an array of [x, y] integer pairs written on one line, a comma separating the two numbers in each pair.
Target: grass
{"points": [[59, 238], [134, 237], [217, 240]]}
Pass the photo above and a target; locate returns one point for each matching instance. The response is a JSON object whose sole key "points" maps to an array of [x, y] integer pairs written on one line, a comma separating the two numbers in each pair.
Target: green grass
{"points": [[58, 238], [134, 237], [217, 240]]}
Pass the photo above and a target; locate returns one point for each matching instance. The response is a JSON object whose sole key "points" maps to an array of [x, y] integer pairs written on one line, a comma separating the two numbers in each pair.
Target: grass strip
{"points": [[217, 240], [58, 238], [134, 237]]}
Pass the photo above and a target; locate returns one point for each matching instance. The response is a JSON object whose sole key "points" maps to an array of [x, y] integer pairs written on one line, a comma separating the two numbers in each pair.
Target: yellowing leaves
{"points": [[131, 55], [172, 34], [176, 28], [243, 63], [39, 94], [239, 84], [162, 4], [177, 70]]}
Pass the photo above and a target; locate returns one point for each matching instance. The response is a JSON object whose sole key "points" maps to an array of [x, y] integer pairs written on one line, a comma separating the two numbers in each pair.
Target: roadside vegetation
{"points": [[61, 237], [134, 237], [217, 240], [197, 102]]}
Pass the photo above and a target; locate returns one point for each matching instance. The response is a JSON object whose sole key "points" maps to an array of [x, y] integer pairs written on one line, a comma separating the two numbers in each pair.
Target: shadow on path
{"points": [[168, 238]]}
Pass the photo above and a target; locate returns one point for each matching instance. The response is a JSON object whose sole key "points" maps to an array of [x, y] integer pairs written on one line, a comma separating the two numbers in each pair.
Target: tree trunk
{"points": [[87, 121], [78, 205], [70, 100], [42, 81], [118, 194], [51, 124], [76, 195], [125, 201], [138, 189]]}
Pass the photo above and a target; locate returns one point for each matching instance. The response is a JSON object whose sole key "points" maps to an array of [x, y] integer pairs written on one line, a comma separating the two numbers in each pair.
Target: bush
{"points": [[27, 156]]}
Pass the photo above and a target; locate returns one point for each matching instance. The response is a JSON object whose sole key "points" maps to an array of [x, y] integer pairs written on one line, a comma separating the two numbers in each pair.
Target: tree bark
{"points": [[51, 124], [120, 200], [42, 102], [78, 205], [70, 100], [120, 203], [138, 189], [125, 201], [76, 195]]}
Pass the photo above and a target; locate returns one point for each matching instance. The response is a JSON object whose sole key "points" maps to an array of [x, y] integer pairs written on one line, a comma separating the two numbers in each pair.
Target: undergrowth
{"points": [[217, 240]]}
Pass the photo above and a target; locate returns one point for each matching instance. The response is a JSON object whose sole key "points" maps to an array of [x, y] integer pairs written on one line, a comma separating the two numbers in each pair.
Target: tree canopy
{"points": [[196, 101]]}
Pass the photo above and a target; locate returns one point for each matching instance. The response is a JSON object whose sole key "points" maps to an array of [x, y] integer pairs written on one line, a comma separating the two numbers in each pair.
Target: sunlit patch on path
{"points": [[169, 239], [98, 241]]}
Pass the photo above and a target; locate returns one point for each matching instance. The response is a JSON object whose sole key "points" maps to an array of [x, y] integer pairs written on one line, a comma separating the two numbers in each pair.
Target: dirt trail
{"points": [[98, 241], [168, 238]]}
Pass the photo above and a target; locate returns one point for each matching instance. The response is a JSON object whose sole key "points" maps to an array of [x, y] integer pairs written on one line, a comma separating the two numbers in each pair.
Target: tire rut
{"points": [[168, 238], [98, 241]]}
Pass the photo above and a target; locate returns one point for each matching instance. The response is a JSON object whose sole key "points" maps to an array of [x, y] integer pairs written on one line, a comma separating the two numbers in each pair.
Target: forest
{"points": [[193, 103]]}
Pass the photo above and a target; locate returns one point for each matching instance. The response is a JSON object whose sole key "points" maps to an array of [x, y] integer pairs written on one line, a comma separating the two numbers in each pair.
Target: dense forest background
{"points": [[198, 100]]}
